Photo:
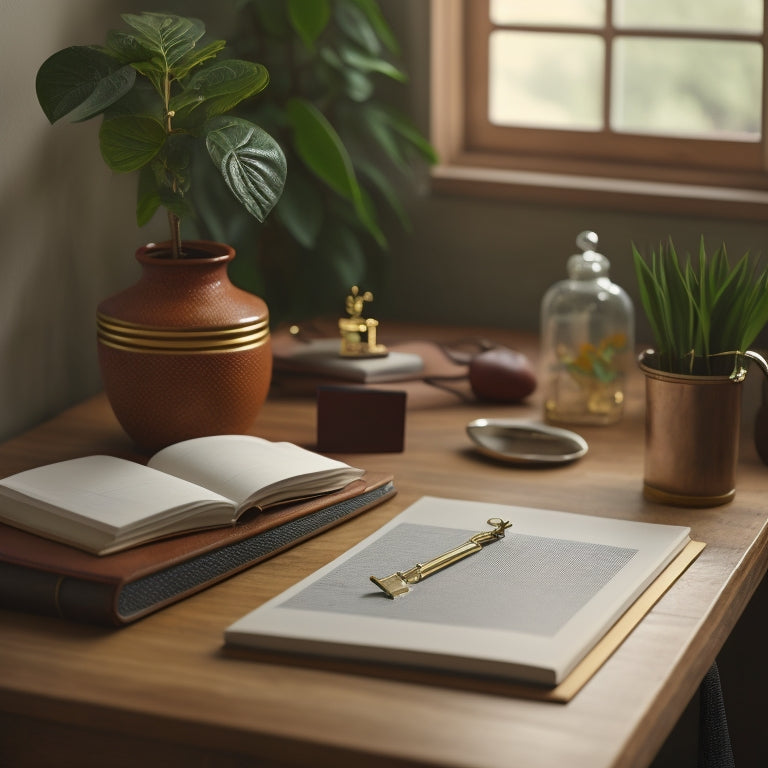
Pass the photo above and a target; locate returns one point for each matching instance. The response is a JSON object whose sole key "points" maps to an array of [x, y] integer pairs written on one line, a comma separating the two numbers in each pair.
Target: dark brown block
{"points": [[360, 420]]}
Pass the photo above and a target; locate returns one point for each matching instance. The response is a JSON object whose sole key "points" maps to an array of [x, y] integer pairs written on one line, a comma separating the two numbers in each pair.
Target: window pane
{"points": [[575, 13], [702, 89], [714, 15], [546, 80]]}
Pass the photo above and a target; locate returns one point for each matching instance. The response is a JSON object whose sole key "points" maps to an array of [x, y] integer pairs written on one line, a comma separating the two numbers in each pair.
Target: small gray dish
{"points": [[523, 442]]}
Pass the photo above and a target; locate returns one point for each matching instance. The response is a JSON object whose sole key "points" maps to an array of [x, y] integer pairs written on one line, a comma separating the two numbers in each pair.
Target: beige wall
{"points": [[67, 230]]}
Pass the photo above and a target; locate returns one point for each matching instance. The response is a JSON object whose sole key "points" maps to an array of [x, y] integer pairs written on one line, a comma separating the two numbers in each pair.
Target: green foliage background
{"points": [[347, 151]]}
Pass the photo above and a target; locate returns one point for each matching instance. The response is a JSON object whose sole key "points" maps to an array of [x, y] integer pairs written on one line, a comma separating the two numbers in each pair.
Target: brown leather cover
{"points": [[42, 576]]}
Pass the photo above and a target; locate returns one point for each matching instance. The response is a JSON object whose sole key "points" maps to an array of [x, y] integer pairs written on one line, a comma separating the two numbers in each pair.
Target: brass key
{"points": [[398, 583]]}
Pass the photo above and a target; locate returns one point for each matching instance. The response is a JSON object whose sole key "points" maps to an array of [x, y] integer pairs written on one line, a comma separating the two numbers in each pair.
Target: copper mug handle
{"points": [[762, 363]]}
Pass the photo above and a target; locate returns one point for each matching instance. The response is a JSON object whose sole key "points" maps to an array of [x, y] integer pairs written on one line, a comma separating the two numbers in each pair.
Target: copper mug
{"points": [[692, 434]]}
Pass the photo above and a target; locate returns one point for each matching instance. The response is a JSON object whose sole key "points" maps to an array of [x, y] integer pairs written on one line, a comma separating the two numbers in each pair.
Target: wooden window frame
{"points": [[646, 173]]}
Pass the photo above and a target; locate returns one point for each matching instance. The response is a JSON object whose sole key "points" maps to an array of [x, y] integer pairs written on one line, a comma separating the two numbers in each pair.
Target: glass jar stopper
{"points": [[588, 264]]}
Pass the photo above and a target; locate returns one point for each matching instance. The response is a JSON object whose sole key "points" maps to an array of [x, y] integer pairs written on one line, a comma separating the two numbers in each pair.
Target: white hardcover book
{"points": [[527, 607]]}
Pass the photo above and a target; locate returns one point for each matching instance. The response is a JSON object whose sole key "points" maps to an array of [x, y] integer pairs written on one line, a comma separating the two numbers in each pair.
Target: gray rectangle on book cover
{"points": [[522, 583]]}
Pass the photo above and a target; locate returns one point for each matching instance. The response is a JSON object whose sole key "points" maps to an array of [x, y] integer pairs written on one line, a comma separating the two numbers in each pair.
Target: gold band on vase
{"points": [[181, 341]]}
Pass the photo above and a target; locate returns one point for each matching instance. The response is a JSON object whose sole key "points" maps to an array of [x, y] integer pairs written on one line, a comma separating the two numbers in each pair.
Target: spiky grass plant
{"points": [[703, 316]]}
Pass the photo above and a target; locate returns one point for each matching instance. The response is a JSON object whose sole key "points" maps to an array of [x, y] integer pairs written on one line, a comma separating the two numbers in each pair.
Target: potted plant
{"points": [[183, 352], [704, 315], [352, 154]]}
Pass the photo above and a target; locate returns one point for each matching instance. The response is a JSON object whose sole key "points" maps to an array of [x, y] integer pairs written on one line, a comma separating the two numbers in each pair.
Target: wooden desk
{"points": [[161, 692]]}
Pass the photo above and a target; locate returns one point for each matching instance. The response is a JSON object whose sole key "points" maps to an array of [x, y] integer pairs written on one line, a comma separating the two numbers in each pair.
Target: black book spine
{"points": [[48, 594]]}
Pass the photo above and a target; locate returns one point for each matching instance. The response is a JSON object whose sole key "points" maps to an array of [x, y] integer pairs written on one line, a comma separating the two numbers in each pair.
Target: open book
{"points": [[103, 504], [527, 607]]}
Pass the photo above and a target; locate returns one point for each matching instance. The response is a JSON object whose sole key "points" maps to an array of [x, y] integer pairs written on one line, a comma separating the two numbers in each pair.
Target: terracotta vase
{"points": [[691, 437], [183, 352]]}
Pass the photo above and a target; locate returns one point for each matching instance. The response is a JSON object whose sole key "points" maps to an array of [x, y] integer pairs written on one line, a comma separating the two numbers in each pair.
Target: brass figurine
{"points": [[398, 583], [358, 334]]}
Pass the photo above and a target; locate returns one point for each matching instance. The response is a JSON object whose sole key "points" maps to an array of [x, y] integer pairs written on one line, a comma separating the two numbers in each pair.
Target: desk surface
{"points": [[162, 690]]}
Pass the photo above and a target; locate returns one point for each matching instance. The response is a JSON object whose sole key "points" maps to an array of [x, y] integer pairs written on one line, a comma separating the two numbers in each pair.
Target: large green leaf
{"points": [[81, 82], [129, 142], [221, 85], [250, 161], [320, 148], [170, 37], [222, 221], [309, 18], [322, 151]]}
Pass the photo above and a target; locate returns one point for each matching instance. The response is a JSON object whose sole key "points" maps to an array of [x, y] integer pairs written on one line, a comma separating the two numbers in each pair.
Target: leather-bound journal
{"points": [[42, 576]]}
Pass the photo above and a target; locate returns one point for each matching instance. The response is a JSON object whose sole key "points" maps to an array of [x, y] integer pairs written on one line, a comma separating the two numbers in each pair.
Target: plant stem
{"points": [[173, 219], [175, 225]]}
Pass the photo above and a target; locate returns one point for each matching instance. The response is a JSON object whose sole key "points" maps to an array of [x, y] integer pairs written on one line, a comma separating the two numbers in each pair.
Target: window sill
{"points": [[600, 192]]}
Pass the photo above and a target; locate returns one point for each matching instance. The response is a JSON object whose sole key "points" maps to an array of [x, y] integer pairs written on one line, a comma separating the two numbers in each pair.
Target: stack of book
{"points": [[106, 540], [537, 602]]}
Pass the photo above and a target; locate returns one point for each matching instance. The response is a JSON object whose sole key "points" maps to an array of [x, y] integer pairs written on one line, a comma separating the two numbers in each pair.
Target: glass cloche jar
{"points": [[587, 336]]}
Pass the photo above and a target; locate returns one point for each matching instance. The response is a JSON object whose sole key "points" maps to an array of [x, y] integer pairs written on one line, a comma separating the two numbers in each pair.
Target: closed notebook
{"points": [[526, 608]]}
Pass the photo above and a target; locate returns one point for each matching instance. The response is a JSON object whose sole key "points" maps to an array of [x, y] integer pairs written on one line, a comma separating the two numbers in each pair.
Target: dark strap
{"points": [[714, 740]]}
